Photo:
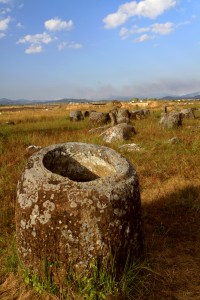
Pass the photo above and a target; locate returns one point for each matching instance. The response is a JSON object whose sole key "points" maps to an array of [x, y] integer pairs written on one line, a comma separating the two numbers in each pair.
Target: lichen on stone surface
{"points": [[77, 217]]}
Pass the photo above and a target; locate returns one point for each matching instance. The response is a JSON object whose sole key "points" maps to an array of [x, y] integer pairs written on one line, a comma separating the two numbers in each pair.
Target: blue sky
{"points": [[52, 49]]}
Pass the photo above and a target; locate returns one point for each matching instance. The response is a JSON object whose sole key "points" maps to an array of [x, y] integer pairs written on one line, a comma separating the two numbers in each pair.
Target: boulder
{"points": [[76, 115], [76, 204], [98, 118], [113, 118], [86, 114], [122, 116], [146, 112], [119, 132], [138, 114], [188, 113], [171, 120]]}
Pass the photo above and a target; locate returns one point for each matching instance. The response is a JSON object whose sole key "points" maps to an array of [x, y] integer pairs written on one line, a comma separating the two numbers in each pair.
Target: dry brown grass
{"points": [[170, 192]]}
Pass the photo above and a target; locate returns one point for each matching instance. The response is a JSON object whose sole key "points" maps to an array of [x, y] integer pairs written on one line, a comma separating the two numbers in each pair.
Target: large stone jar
{"points": [[77, 203]]}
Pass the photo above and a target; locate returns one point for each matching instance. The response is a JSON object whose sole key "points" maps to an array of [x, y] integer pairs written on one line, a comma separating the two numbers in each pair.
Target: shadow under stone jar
{"points": [[77, 203]]}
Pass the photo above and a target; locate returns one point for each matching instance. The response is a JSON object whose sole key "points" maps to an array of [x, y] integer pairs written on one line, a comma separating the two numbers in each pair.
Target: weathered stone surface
{"points": [[146, 112], [119, 132], [75, 203], [171, 120], [98, 118], [86, 113], [131, 147], [139, 114], [119, 115], [33, 148], [188, 113], [76, 115], [123, 116], [113, 118], [174, 140]]}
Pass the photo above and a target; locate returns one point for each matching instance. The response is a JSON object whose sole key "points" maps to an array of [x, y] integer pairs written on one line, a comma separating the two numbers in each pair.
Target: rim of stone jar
{"points": [[123, 168]]}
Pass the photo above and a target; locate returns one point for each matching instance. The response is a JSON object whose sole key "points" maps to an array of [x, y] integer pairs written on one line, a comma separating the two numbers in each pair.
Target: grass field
{"points": [[169, 177]]}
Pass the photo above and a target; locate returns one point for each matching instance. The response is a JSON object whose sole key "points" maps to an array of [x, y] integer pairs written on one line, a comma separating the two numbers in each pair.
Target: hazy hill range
{"points": [[5, 101], [187, 96]]}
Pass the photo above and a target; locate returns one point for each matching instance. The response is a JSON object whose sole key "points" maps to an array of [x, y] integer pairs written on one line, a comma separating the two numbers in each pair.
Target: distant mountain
{"points": [[192, 95], [183, 97], [5, 101]]}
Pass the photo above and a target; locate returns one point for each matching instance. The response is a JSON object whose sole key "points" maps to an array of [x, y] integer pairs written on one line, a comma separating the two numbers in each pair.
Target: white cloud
{"points": [[125, 32], [71, 45], [143, 38], [156, 28], [115, 20], [144, 8], [163, 29], [44, 38], [19, 25], [34, 49], [35, 42], [4, 24], [58, 25]]}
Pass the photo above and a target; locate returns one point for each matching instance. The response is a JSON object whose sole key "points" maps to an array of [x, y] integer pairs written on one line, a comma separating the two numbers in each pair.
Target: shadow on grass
{"points": [[172, 239]]}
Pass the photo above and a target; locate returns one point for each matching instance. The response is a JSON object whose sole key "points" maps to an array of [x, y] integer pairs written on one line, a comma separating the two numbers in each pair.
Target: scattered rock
{"points": [[131, 147], [188, 113], [33, 148], [139, 114], [119, 132], [173, 140], [122, 116], [76, 115], [86, 114], [113, 118], [171, 120], [98, 118]]}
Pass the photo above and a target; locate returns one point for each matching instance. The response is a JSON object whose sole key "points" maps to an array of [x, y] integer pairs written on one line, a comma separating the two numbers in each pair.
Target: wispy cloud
{"points": [[35, 42], [163, 87], [125, 32], [162, 28], [70, 45], [36, 39], [58, 25], [157, 28], [143, 38], [34, 49], [4, 24], [145, 8], [19, 25]]}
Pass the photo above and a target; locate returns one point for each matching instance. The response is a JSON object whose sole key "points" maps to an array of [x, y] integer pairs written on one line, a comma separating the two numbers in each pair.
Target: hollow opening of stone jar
{"points": [[80, 166]]}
